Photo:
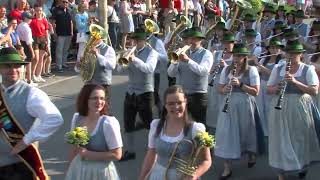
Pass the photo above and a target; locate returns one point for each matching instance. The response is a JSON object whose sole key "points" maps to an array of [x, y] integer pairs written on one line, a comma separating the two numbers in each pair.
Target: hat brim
{"points": [[281, 46], [14, 62]]}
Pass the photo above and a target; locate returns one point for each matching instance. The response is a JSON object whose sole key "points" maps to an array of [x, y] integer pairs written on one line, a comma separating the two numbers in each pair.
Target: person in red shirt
{"points": [[16, 13], [211, 7], [39, 27]]}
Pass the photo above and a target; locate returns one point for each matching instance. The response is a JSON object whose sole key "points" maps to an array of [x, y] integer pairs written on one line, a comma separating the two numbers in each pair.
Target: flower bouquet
{"points": [[79, 136]]}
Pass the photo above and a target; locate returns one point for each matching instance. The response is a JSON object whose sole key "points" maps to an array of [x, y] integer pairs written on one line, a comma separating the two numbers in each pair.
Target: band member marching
{"points": [[254, 47], [249, 22], [293, 140], [267, 24], [238, 123], [222, 58], [215, 42], [139, 96], [192, 70], [26, 103], [265, 66], [301, 27]]}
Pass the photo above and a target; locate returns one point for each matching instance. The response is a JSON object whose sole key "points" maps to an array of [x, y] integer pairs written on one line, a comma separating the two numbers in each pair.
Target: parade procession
{"points": [[159, 89]]}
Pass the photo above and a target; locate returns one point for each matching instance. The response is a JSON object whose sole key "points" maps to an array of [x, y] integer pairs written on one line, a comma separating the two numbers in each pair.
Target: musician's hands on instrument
{"points": [[289, 78], [184, 57], [190, 178], [223, 63], [235, 81], [20, 146]]}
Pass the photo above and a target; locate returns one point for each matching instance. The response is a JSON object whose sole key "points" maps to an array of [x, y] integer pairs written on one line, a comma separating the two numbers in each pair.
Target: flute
{"points": [[283, 89], [216, 70], [226, 106]]}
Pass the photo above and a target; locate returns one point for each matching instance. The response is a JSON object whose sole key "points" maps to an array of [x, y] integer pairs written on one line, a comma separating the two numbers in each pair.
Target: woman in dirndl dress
{"points": [[265, 66], [237, 129], [293, 138], [126, 22], [175, 124], [222, 58], [94, 160]]}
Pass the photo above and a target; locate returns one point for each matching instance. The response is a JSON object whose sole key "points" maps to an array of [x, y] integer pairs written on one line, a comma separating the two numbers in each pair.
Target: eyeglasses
{"points": [[97, 98], [179, 103]]}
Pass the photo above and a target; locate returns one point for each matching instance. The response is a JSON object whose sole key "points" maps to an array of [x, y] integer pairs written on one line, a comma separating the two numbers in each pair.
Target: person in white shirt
{"points": [[26, 104], [25, 35]]}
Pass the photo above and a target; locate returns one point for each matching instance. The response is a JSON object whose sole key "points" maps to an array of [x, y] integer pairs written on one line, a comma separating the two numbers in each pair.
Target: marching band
{"points": [[250, 78]]}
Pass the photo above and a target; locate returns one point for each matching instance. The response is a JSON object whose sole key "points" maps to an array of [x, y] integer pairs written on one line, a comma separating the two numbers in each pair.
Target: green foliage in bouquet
{"points": [[204, 139], [79, 136]]}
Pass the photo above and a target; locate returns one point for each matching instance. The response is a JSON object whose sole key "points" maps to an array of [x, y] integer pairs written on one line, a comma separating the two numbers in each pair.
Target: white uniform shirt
{"points": [[24, 32]]}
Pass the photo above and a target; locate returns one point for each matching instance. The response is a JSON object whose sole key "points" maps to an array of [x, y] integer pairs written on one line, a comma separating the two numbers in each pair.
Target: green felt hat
{"points": [[290, 32], [194, 32], [240, 49], [292, 12], [315, 25], [250, 18], [275, 42], [228, 37], [184, 33], [139, 34], [299, 14], [294, 47], [10, 56], [279, 25], [250, 32], [221, 25], [281, 8], [269, 8]]}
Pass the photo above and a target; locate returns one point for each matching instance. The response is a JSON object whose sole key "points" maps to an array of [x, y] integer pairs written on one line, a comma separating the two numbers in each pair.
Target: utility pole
{"points": [[103, 13]]}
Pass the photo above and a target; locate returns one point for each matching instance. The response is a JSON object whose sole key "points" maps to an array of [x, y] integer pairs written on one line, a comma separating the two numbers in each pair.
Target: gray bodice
{"points": [[102, 75], [140, 82], [292, 89], [97, 142], [189, 80], [265, 76], [164, 150]]}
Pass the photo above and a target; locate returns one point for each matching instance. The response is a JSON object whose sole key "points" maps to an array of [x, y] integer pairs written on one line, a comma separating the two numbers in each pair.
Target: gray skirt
{"points": [[94, 170], [215, 100], [236, 130], [158, 172], [293, 142]]}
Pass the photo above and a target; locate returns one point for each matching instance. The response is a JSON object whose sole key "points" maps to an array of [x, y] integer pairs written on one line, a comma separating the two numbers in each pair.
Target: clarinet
{"points": [[226, 106], [283, 89], [216, 70]]}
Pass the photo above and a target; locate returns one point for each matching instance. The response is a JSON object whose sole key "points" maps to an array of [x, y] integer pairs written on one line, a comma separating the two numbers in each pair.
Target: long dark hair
{"points": [[267, 59], [244, 68], [172, 90]]}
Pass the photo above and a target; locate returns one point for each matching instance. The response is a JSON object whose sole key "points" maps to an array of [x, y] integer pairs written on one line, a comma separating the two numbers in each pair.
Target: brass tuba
{"points": [[88, 61], [151, 26], [235, 22]]}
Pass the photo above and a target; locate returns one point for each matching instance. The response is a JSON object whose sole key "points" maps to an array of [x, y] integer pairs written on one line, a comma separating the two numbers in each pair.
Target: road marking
{"points": [[58, 81]]}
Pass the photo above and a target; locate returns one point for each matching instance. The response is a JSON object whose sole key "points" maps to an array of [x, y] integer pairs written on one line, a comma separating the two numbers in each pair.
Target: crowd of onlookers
{"points": [[46, 30]]}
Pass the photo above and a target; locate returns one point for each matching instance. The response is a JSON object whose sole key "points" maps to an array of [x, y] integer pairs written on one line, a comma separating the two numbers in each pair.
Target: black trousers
{"points": [[16, 171], [197, 106], [113, 33], [156, 88], [171, 80], [141, 104]]}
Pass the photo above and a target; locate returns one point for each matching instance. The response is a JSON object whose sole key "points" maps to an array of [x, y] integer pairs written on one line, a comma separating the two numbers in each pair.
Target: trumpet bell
{"points": [[174, 56], [151, 26]]}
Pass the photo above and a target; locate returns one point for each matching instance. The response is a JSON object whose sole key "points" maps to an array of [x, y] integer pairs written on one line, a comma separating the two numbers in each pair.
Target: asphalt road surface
{"points": [[63, 90]]}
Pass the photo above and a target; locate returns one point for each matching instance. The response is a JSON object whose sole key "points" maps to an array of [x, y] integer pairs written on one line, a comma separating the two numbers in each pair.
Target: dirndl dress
{"points": [[81, 169], [164, 147], [293, 138], [215, 99], [126, 20], [239, 130]]}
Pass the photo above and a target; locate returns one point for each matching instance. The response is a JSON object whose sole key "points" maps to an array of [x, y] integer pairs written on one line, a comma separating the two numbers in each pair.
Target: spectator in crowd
{"points": [[198, 15], [138, 13], [170, 15], [82, 25], [113, 22], [39, 27], [3, 18], [14, 37], [63, 32], [16, 13], [93, 10], [190, 9], [211, 7], [25, 35], [126, 25]]}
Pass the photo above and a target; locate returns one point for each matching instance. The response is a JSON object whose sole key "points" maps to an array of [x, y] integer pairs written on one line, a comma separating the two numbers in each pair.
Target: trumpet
{"points": [[226, 106], [216, 69], [125, 58], [174, 56], [283, 87]]}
